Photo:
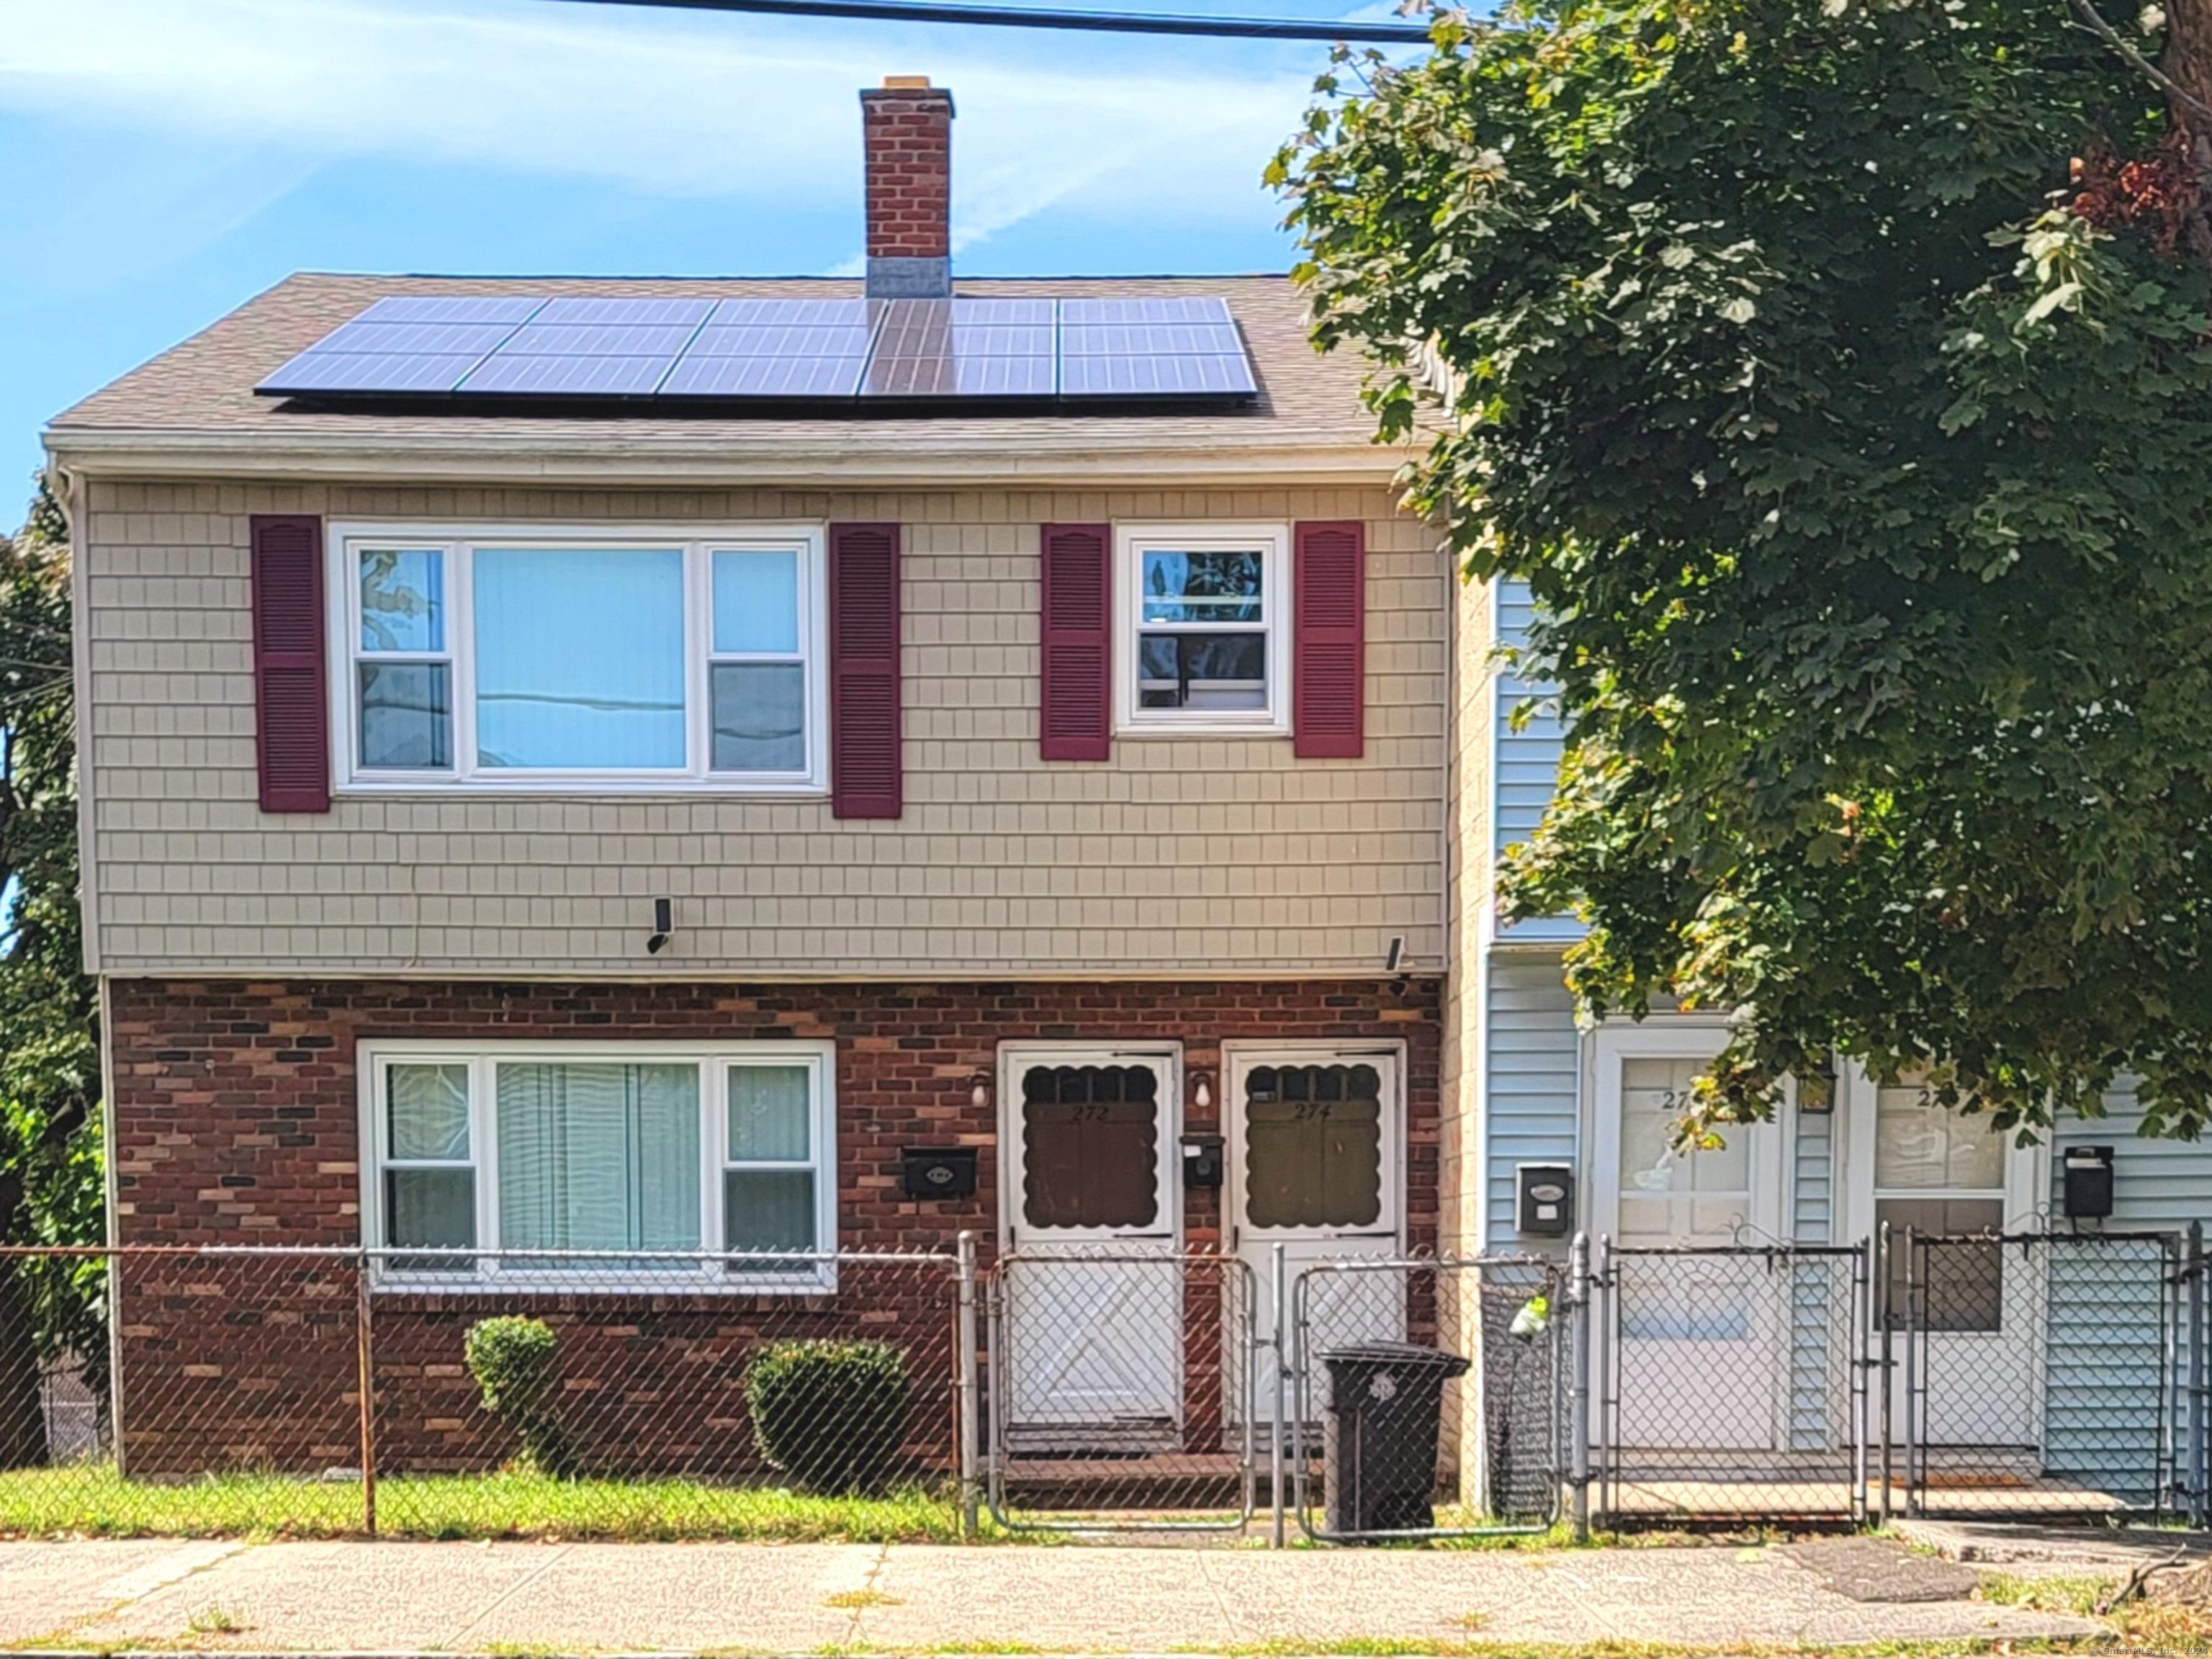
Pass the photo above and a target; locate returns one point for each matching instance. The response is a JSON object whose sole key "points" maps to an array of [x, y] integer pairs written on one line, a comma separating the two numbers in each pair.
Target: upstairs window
{"points": [[1203, 629], [524, 658]]}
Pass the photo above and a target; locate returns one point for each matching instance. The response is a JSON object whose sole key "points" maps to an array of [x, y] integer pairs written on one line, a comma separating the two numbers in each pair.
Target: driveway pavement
{"points": [[785, 1599]]}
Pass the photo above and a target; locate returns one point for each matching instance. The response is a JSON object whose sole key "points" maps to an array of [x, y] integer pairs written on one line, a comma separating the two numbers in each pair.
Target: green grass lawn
{"points": [[94, 1501]]}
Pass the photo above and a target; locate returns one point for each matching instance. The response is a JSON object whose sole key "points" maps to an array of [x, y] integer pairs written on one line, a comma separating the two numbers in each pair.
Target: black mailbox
{"points": [[939, 1171], [1201, 1160], [1544, 1200], [2088, 1182]]}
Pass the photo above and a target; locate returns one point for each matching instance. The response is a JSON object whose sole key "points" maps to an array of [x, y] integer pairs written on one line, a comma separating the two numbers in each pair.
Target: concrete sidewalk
{"points": [[800, 1599]]}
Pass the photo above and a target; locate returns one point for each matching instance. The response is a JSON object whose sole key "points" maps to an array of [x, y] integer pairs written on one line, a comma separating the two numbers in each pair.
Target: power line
{"points": [[1121, 22]]}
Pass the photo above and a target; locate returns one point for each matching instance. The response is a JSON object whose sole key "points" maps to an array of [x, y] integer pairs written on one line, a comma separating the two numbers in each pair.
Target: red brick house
{"points": [[603, 766]]}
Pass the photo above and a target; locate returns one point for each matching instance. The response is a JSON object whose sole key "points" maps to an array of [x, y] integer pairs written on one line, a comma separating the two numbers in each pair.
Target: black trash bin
{"points": [[1379, 1440]]}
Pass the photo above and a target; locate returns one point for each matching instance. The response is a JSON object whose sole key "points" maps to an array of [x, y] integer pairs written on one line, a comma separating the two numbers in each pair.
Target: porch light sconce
{"points": [[1816, 1090], [979, 1092], [1202, 1093], [664, 924]]}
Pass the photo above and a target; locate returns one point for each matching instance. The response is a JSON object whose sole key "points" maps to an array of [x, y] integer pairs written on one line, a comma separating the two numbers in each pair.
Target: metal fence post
{"points": [[1578, 1383], [1917, 1268], [2200, 1462], [1279, 1278], [365, 1357], [964, 1383], [1885, 1321]]}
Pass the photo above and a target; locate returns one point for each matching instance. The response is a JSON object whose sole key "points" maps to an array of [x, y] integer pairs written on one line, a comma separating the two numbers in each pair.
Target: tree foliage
{"points": [[50, 1166], [1836, 373]]}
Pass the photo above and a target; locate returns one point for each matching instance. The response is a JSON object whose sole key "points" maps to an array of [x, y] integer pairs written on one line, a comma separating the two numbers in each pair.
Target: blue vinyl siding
{"points": [[1532, 1093], [1527, 770]]}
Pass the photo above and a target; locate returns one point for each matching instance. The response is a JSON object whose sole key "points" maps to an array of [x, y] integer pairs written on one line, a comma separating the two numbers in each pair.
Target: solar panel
{"points": [[592, 348], [405, 342], [776, 349], [699, 350], [964, 348], [1151, 347]]}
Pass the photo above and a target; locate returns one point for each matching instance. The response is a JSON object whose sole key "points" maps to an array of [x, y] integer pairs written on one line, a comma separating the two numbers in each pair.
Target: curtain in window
{"points": [[598, 1156]]}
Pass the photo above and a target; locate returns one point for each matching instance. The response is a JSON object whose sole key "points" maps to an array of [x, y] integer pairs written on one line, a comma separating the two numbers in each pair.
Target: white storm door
{"points": [[1940, 1173], [1702, 1356], [1316, 1140], [1092, 1207]]}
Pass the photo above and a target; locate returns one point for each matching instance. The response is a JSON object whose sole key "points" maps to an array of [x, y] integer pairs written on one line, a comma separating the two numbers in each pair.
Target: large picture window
{"points": [[1202, 628], [520, 657], [600, 1150]]}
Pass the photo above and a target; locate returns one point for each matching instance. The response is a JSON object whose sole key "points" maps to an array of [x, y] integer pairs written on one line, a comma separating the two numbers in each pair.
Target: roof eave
{"points": [[937, 460]]}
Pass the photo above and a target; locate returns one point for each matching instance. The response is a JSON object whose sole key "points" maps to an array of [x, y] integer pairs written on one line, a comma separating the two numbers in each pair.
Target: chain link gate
{"points": [[1733, 1383], [1500, 1464], [1126, 1392], [2046, 1374]]}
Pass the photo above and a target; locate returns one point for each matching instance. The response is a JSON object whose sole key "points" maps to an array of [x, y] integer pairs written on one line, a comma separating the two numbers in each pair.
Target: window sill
{"points": [[1204, 729], [687, 1286], [573, 789]]}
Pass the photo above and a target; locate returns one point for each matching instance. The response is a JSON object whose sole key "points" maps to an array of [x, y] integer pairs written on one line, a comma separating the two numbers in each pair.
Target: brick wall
{"points": [[235, 1121]]}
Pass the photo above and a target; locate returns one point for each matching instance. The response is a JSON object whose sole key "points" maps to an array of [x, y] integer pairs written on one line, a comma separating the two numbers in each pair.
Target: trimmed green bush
{"points": [[829, 1414], [516, 1362]]}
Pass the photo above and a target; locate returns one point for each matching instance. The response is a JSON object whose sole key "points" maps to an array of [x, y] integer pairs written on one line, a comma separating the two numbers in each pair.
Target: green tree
{"points": [[50, 1168], [1839, 375]]}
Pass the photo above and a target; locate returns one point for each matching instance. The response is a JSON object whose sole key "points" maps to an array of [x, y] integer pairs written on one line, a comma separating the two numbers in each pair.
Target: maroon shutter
{"points": [[1076, 634], [1328, 643], [291, 698], [864, 773]]}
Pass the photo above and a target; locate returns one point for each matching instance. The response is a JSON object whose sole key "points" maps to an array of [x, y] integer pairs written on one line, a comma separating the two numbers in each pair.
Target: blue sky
{"points": [[165, 159]]}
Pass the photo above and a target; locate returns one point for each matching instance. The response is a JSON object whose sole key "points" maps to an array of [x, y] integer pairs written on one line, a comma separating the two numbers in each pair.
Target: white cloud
{"points": [[670, 105]]}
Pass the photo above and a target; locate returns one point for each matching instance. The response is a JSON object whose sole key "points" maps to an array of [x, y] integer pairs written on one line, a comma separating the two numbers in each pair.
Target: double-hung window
{"points": [[531, 658], [1202, 628], [520, 1163]]}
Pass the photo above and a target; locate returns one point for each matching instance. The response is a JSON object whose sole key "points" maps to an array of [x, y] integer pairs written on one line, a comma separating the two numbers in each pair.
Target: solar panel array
{"points": [[675, 350]]}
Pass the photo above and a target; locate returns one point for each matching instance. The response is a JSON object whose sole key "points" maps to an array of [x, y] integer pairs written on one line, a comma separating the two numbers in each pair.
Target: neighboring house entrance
{"points": [[1315, 1137], [1092, 1170], [1915, 1165], [1703, 1342]]}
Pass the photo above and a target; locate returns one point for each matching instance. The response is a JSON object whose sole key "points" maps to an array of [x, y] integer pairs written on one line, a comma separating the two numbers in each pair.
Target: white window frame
{"points": [[698, 543], [1130, 543], [717, 1270]]}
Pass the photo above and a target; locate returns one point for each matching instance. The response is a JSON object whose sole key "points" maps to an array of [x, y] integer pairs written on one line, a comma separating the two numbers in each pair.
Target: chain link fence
{"points": [[324, 1392], [1732, 1384], [638, 1394]]}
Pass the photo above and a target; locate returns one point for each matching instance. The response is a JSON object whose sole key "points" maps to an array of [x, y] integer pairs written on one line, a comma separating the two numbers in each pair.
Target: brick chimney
{"points": [[906, 129]]}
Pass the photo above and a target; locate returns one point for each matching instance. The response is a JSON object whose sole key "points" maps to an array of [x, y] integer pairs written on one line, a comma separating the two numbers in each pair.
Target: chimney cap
{"points": [[905, 83]]}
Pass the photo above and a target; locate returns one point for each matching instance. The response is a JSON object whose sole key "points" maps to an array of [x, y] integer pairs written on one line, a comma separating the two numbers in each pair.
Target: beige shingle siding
{"points": [[1178, 856]]}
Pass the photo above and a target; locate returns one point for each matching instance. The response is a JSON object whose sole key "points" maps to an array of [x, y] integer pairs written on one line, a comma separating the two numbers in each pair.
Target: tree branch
{"points": [[2096, 22]]}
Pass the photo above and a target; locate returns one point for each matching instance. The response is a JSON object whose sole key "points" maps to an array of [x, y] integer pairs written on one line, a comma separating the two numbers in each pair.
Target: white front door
{"points": [[1092, 1207], [1702, 1357], [1315, 1141], [1943, 1173]]}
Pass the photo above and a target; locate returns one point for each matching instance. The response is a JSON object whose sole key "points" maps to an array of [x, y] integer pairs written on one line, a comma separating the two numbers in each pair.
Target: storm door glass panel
{"points": [[429, 1174], [1941, 1173], [598, 1156], [580, 659], [768, 1184], [1672, 1197], [1090, 1147], [1202, 629], [1313, 1139], [1669, 1196]]}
